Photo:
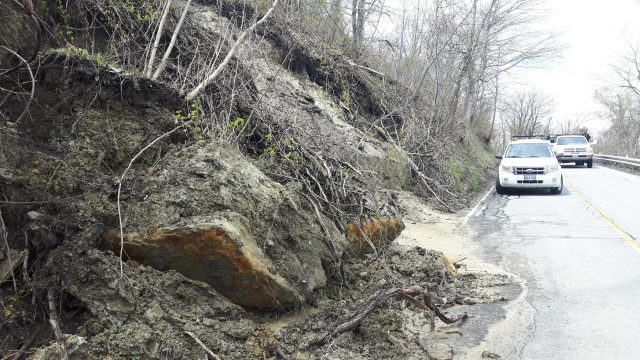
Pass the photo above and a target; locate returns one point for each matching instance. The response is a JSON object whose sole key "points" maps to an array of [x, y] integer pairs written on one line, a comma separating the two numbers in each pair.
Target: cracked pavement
{"points": [[579, 262]]}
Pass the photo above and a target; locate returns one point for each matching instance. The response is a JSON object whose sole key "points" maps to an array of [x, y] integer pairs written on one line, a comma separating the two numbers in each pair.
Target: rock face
{"points": [[299, 103], [206, 212], [375, 233]]}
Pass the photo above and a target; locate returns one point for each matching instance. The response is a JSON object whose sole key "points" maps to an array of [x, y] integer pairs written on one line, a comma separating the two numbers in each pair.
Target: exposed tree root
{"points": [[33, 81], [211, 353], [379, 297], [55, 325]]}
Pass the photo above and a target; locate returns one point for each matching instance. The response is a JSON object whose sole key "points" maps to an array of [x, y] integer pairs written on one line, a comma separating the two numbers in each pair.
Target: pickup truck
{"points": [[575, 149]]}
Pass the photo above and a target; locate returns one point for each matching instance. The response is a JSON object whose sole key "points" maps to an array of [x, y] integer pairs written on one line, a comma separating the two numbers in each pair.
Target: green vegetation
{"points": [[233, 124], [192, 120], [468, 171], [96, 58]]}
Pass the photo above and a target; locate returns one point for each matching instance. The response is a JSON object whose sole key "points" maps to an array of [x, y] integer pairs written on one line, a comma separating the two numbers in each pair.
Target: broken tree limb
{"points": [[380, 297], [354, 64], [27, 343], [410, 292]]}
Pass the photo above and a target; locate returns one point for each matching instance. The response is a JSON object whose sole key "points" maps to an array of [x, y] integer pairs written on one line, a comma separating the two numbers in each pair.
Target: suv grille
{"points": [[571, 150], [529, 171]]}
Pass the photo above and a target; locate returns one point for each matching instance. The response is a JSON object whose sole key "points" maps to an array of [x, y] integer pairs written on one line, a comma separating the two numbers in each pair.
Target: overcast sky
{"points": [[595, 33]]}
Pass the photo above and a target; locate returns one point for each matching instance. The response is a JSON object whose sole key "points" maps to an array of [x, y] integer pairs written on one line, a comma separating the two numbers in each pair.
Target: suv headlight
{"points": [[505, 168], [553, 168]]}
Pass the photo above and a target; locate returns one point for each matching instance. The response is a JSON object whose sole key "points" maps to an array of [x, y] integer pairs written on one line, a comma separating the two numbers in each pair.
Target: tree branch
{"points": [[163, 62], [156, 43], [200, 88]]}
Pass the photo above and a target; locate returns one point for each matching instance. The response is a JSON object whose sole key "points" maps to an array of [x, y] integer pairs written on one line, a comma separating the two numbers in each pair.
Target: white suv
{"points": [[529, 164], [575, 149]]}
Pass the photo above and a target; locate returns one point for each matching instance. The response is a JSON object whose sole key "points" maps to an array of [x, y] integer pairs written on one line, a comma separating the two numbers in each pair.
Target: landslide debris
{"points": [[288, 211], [200, 209], [207, 212], [396, 330], [145, 312]]}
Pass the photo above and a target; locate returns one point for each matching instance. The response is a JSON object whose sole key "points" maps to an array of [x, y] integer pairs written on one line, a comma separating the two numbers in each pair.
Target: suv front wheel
{"points": [[499, 188], [557, 190]]}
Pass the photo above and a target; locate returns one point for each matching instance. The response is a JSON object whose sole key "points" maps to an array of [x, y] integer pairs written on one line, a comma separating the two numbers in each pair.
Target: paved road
{"points": [[581, 265]]}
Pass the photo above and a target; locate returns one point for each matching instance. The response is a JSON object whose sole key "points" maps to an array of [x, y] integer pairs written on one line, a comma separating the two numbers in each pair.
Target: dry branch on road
{"points": [[409, 294]]}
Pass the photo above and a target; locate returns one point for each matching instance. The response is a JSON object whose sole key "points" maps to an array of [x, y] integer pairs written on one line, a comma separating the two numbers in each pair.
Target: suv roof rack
{"points": [[523, 137], [556, 135]]}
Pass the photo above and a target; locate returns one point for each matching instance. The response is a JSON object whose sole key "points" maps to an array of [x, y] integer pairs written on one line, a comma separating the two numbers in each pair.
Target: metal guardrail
{"points": [[620, 161]]}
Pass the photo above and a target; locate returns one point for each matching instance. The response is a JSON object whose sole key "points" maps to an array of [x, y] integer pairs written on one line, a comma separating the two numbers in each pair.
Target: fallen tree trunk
{"points": [[380, 297]]}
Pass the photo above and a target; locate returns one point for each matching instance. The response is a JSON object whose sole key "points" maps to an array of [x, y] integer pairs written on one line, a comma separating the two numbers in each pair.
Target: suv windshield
{"points": [[574, 140], [528, 151]]}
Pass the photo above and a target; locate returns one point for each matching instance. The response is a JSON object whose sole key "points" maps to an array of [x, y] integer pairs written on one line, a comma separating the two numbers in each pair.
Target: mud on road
{"points": [[397, 330]]}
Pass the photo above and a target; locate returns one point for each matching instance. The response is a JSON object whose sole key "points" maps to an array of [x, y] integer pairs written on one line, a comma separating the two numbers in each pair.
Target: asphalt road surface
{"points": [[580, 263]]}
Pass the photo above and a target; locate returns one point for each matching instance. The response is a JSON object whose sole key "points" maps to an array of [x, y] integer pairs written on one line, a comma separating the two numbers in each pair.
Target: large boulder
{"points": [[207, 212], [223, 254]]}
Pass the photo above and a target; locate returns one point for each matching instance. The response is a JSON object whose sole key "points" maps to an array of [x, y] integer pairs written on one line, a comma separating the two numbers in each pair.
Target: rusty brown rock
{"points": [[372, 233], [222, 254]]}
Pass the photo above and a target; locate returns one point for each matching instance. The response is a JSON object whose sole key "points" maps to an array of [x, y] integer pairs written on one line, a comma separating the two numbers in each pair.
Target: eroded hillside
{"points": [[147, 226]]}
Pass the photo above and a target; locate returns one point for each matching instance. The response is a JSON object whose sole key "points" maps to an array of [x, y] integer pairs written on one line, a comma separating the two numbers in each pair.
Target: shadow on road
{"points": [[536, 192], [573, 166]]}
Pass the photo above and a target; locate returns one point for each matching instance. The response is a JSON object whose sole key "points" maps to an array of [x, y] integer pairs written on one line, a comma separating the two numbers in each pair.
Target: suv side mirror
{"points": [[498, 156]]}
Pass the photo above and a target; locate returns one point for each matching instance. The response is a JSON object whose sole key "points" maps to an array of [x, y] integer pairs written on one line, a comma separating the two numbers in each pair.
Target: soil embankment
{"points": [[249, 238]]}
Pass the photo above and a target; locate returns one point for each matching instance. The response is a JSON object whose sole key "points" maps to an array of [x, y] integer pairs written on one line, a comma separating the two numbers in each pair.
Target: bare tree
{"points": [[361, 11], [174, 37], [572, 125], [358, 16], [527, 113], [621, 103], [156, 43], [628, 70], [453, 53], [622, 111]]}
